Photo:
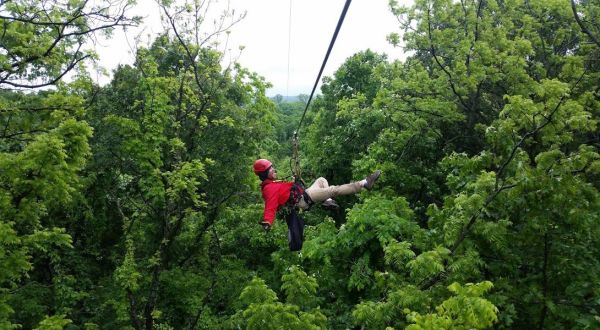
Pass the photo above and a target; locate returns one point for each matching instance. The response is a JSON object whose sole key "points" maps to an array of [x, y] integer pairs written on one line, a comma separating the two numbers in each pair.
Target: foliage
{"points": [[264, 311], [466, 310], [53, 323], [133, 205]]}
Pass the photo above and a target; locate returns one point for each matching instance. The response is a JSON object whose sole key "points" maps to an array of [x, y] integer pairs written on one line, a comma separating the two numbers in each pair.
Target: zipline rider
{"points": [[279, 193]]}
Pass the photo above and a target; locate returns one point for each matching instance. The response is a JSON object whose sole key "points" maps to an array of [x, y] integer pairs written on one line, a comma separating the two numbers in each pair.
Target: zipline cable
{"points": [[287, 84], [295, 159], [337, 30]]}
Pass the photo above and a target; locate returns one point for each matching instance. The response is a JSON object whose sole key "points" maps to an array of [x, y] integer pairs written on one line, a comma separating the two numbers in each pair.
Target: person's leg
{"points": [[321, 191], [329, 203], [318, 194], [319, 183]]}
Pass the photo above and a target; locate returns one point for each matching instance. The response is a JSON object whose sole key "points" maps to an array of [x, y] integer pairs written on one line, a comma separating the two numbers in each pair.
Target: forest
{"points": [[133, 205]]}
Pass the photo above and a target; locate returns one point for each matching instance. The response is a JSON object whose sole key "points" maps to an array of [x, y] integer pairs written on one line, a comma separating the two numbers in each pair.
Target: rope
{"points": [[295, 160], [337, 30]]}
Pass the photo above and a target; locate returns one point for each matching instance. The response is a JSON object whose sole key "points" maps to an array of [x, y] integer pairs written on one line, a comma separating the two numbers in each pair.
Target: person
{"points": [[279, 193]]}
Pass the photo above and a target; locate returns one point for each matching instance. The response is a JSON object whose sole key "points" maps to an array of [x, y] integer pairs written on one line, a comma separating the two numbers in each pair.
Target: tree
{"points": [[43, 146], [175, 135], [44, 40]]}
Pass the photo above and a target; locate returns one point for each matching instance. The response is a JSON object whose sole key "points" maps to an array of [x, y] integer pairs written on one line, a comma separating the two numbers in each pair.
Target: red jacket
{"points": [[275, 194]]}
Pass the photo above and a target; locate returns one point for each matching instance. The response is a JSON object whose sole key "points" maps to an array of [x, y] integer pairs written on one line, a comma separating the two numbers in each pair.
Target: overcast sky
{"points": [[264, 35]]}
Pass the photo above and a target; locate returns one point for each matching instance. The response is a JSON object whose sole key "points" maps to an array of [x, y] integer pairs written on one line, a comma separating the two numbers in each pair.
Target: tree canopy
{"points": [[133, 205]]}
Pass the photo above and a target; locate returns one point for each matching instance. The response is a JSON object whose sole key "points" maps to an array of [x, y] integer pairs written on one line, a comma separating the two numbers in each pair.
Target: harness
{"points": [[297, 192]]}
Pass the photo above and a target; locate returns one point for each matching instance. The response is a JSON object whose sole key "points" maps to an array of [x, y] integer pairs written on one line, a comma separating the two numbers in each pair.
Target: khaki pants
{"points": [[320, 190]]}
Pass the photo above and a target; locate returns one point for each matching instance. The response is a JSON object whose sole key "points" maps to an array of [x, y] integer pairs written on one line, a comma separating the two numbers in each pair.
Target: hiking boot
{"points": [[371, 179], [330, 204]]}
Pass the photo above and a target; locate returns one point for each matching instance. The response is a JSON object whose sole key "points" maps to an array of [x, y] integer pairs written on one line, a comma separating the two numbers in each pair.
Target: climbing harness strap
{"points": [[298, 193]]}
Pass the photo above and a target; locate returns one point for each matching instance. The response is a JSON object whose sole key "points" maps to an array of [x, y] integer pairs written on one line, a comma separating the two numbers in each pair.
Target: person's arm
{"points": [[270, 208]]}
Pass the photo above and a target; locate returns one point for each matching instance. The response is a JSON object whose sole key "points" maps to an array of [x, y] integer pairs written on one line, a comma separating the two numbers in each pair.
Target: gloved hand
{"points": [[265, 225]]}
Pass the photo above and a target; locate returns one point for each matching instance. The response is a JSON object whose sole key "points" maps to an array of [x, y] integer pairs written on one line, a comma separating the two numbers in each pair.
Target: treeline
{"points": [[133, 205]]}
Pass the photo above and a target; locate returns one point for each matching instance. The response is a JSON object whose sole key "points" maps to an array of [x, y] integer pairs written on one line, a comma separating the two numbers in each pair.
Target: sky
{"points": [[270, 28]]}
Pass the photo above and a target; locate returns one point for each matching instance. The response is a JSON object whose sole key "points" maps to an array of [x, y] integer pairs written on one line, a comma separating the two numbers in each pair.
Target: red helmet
{"points": [[261, 165]]}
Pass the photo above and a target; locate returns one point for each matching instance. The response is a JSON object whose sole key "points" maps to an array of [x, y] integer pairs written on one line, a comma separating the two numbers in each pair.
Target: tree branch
{"points": [[8, 136], [582, 26], [435, 57], [133, 311], [211, 217], [51, 82], [66, 32], [545, 281]]}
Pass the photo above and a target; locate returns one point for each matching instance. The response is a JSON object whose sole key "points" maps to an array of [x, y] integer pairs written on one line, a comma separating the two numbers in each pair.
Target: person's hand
{"points": [[266, 226]]}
